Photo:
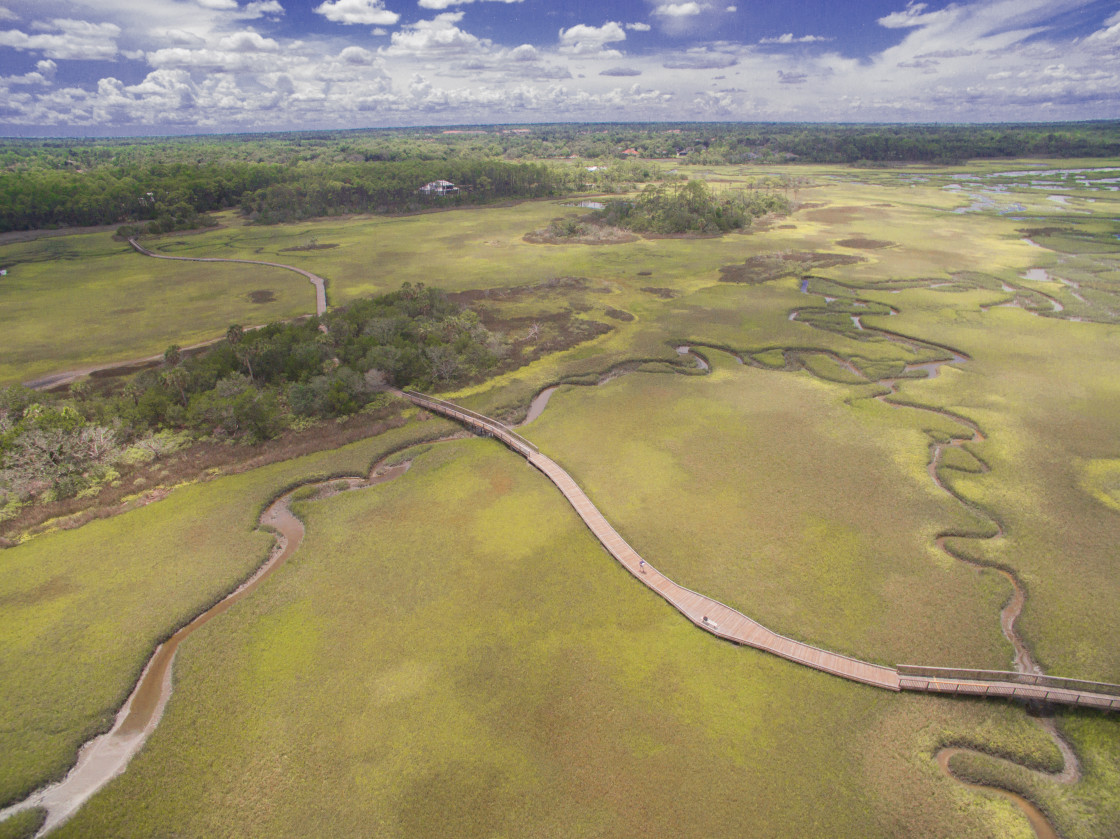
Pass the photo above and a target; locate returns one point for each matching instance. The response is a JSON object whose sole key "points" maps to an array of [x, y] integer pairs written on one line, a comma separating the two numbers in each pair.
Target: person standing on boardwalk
{"points": [[642, 565]]}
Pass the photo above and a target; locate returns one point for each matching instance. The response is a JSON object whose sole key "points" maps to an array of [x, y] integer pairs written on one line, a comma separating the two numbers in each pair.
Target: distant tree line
{"points": [[331, 189], [161, 197], [250, 386], [171, 183]]}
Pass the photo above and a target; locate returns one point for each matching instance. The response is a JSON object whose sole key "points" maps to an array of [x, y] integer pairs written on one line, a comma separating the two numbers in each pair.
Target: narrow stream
{"points": [[1009, 614], [1041, 825], [106, 756]]}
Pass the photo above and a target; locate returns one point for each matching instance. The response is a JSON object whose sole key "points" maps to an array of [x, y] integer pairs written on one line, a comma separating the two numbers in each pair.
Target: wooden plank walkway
{"points": [[708, 614], [724, 622]]}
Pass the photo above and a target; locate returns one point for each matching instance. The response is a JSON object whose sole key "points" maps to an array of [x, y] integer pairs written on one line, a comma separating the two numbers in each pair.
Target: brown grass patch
{"points": [[202, 461], [864, 244], [316, 247], [843, 215], [663, 293], [262, 296], [774, 266], [619, 314], [592, 235], [521, 292]]}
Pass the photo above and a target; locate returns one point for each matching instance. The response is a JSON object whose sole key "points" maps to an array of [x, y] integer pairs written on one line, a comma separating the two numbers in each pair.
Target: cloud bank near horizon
{"points": [[101, 67]]}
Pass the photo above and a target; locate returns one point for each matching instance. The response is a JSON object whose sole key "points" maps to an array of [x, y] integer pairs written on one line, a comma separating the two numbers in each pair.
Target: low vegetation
{"points": [[431, 656]]}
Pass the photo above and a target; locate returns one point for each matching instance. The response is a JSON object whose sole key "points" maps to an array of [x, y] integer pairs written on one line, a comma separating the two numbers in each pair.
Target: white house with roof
{"points": [[439, 188]]}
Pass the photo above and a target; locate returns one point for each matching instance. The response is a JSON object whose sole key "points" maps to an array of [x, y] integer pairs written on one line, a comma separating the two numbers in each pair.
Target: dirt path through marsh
{"points": [[317, 281]]}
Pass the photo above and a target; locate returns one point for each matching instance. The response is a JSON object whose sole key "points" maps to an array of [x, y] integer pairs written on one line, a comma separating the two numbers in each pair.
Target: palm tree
{"points": [[234, 336]]}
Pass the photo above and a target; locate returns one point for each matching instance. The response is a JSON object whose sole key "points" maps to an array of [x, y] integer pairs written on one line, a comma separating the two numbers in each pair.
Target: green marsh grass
{"points": [[73, 301], [453, 654], [84, 608]]}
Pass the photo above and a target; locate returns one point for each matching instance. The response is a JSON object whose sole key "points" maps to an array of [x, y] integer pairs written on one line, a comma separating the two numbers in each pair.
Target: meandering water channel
{"points": [[1013, 608]]}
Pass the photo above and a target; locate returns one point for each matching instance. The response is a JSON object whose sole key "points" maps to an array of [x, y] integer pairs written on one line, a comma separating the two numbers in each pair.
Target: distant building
{"points": [[439, 188], [632, 152]]}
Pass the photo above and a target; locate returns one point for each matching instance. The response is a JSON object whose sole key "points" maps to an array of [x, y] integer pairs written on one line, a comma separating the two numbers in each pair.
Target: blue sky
{"points": [[127, 67]]}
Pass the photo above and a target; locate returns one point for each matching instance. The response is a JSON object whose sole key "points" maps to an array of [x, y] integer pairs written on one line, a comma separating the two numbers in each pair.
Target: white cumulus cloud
{"points": [[690, 9], [789, 39], [638, 27], [260, 8], [582, 39], [357, 56], [66, 38], [369, 12], [436, 37], [248, 41]]}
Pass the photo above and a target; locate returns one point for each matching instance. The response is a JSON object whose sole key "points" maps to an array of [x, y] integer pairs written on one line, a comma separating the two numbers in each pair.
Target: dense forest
{"points": [[171, 183], [250, 386]]}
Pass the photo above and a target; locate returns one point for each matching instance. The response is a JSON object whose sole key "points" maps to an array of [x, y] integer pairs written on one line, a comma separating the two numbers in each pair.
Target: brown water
{"points": [[539, 403], [1041, 825], [106, 756]]}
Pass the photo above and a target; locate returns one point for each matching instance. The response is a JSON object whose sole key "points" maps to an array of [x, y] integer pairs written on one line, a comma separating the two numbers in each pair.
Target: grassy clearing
{"points": [[82, 609], [426, 666], [73, 301]]}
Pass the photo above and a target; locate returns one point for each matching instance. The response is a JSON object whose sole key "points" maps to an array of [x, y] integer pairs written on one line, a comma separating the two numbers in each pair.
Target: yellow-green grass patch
{"points": [[453, 654]]}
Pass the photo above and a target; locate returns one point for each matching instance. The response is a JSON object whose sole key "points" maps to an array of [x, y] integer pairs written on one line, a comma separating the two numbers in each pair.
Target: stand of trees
{"points": [[251, 386], [690, 207], [162, 197]]}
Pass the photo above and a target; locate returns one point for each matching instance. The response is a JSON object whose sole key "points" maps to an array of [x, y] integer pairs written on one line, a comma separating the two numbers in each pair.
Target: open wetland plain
{"points": [[883, 426]]}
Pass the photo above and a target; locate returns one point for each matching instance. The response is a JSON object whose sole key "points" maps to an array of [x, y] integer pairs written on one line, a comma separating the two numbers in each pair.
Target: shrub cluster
{"points": [[690, 207]]}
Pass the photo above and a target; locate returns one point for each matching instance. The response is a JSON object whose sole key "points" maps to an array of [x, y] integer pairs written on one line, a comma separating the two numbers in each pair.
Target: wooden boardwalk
{"points": [[723, 621]]}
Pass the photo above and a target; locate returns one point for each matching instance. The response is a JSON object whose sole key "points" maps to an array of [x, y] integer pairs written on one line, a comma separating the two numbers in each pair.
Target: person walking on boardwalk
{"points": [[642, 565]]}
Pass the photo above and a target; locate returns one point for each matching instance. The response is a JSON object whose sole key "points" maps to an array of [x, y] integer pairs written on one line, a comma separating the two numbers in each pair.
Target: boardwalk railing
{"points": [[725, 622], [1102, 695], [961, 674], [507, 435]]}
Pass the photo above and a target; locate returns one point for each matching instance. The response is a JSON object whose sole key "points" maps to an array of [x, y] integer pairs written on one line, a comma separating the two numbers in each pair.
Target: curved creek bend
{"points": [[107, 755]]}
